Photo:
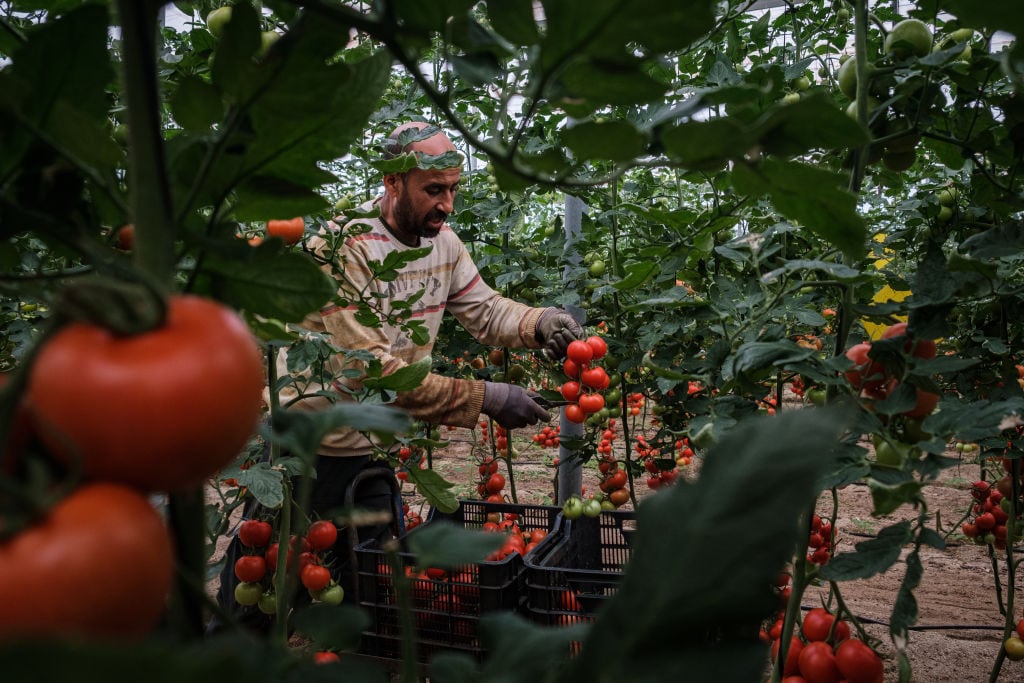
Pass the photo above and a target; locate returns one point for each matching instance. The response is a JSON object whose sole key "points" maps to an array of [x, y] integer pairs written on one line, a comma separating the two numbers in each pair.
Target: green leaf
{"points": [[904, 610], [813, 197], [261, 198], [602, 81], [446, 545], [428, 17], [636, 275], [889, 497], [196, 105], [755, 484], [234, 71], [706, 145], [435, 489], [813, 122], [534, 652], [286, 286], [615, 140], [264, 483], [405, 378], [302, 432], [871, 557], [335, 627], [754, 356], [514, 20]]}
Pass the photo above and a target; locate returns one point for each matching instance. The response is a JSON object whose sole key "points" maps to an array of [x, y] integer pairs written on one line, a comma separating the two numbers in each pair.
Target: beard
{"points": [[428, 225]]}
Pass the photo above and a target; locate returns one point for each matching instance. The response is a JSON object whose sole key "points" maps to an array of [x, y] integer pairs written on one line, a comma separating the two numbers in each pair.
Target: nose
{"points": [[446, 201]]}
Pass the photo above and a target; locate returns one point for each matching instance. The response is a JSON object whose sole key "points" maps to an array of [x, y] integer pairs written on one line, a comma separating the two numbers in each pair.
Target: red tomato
{"points": [[598, 346], [250, 568], [571, 368], [495, 483], [98, 565], [579, 352], [326, 657], [858, 663], [865, 373], [315, 577], [818, 622], [925, 404], [291, 231], [255, 533], [571, 390], [125, 237], [818, 663], [574, 413], [591, 403], [160, 410], [616, 480], [792, 655], [322, 534], [922, 348], [619, 497], [595, 377]]}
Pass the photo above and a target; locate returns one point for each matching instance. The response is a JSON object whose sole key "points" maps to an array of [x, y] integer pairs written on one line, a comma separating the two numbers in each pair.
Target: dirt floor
{"points": [[959, 631]]}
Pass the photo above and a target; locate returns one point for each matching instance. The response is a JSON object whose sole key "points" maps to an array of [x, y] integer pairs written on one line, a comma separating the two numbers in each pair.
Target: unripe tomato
{"points": [[161, 410], [98, 565], [572, 508]]}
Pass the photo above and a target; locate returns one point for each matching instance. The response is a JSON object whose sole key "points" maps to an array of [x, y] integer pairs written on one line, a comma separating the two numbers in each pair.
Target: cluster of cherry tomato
{"points": [[990, 512], [635, 403], [874, 378], [586, 380], [650, 456], [491, 482], [254, 568], [547, 437], [824, 652], [613, 478], [820, 541], [412, 518], [413, 453]]}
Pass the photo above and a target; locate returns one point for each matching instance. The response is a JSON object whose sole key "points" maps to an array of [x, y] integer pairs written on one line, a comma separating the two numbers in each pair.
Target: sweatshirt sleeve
{"points": [[491, 318]]}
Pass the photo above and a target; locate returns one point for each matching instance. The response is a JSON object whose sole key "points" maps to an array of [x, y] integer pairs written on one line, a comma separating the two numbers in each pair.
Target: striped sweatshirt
{"points": [[450, 281]]}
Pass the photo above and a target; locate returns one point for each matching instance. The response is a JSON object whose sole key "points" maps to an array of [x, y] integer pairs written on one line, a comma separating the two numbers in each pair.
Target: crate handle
{"points": [[353, 533]]}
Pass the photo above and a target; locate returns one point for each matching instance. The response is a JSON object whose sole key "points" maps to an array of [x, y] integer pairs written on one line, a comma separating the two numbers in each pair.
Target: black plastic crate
{"points": [[446, 606], [578, 567]]}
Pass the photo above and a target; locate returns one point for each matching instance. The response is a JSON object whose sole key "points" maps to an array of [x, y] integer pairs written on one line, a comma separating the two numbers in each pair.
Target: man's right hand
{"points": [[510, 406]]}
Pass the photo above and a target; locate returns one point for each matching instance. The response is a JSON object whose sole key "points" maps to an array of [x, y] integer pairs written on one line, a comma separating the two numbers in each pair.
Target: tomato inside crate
{"points": [[446, 605]]}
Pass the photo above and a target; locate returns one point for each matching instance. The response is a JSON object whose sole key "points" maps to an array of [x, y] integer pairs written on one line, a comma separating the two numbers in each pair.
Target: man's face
{"points": [[424, 200]]}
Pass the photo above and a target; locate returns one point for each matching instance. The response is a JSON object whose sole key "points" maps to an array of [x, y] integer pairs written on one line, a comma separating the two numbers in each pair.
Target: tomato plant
{"points": [[186, 396]]}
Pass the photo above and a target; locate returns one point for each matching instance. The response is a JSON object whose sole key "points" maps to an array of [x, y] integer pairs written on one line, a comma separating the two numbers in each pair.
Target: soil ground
{"points": [[959, 630]]}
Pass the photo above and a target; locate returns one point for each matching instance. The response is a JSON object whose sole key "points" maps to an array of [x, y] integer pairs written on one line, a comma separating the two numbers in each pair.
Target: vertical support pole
{"points": [[570, 471]]}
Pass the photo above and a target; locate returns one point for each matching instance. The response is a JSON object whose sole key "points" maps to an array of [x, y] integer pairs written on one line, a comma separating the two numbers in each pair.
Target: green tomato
{"points": [[597, 268], [909, 37], [592, 507], [344, 203], [801, 83], [816, 396], [268, 38], [791, 97], [572, 508], [248, 593], [268, 603], [948, 196], [332, 595], [216, 20]]}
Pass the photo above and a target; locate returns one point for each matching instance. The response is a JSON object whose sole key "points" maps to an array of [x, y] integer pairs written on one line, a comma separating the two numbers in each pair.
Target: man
{"points": [[413, 213]]}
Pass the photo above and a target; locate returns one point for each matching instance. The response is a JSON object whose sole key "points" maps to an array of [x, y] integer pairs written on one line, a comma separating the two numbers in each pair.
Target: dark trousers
{"points": [[334, 476]]}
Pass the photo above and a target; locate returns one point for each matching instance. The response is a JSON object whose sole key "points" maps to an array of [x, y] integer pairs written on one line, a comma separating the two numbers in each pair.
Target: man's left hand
{"points": [[555, 329]]}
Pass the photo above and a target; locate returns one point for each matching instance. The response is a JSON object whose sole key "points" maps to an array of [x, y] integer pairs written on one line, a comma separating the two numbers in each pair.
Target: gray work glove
{"points": [[555, 329], [510, 406]]}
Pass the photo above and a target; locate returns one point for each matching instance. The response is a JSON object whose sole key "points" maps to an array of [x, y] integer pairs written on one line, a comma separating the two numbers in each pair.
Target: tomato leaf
{"points": [[513, 19], [302, 432], [755, 484], [405, 378], [814, 197], [889, 497], [615, 140], [332, 626], [435, 488], [446, 545], [636, 275], [265, 484], [870, 557]]}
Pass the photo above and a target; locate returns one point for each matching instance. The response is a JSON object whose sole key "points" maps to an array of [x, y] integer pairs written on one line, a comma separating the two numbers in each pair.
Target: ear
{"points": [[391, 183]]}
